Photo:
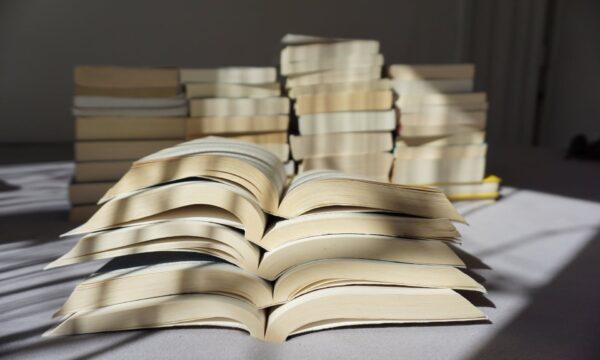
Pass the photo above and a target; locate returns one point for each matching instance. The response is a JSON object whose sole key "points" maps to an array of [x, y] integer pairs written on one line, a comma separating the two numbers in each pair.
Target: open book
{"points": [[231, 244]]}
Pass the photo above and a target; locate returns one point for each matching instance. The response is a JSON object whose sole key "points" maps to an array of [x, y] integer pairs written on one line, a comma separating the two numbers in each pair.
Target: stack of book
{"points": [[214, 237], [121, 114], [344, 108], [442, 130], [238, 102]]}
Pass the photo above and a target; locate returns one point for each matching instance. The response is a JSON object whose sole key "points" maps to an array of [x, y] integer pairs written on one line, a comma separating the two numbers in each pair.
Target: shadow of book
{"points": [[6, 187]]}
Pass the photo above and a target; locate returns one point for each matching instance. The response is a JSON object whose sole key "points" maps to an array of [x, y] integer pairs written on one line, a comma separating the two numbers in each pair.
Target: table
{"points": [[537, 248]]}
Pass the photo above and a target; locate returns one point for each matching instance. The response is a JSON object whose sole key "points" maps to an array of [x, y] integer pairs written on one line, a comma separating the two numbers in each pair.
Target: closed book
{"points": [[339, 144], [374, 165], [81, 213], [213, 125], [463, 138], [441, 118], [439, 164], [118, 150], [125, 77], [417, 87], [176, 111], [88, 193], [456, 101], [351, 121], [110, 102], [335, 76], [487, 189], [230, 75], [328, 50], [358, 101], [100, 171], [431, 71], [129, 128], [220, 90], [239, 107], [128, 92], [280, 150], [342, 62], [263, 138], [355, 86]]}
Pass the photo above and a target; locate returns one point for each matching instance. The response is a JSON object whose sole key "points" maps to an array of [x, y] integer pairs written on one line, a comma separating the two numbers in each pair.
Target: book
{"points": [[282, 151], [465, 138], [100, 171], [128, 82], [356, 86], [439, 164], [322, 103], [303, 39], [88, 193], [339, 144], [347, 121], [125, 77], [351, 61], [223, 90], [239, 107], [373, 165], [81, 213], [435, 116], [276, 143], [279, 137], [145, 172], [474, 124], [102, 102], [230, 75], [419, 87], [215, 125], [487, 189], [335, 76], [118, 150], [131, 92], [431, 71], [229, 245], [143, 280], [458, 102], [129, 128], [336, 49], [208, 233], [131, 112], [358, 305]]}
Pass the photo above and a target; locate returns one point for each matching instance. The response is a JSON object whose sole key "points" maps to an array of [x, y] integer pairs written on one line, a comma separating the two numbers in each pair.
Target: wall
{"points": [[41, 41], [572, 93]]}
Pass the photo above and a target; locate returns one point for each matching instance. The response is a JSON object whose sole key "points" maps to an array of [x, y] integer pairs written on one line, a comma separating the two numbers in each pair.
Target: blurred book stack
{"points": [[441, 138], [121, 114], [344, 108], [239, 102]]}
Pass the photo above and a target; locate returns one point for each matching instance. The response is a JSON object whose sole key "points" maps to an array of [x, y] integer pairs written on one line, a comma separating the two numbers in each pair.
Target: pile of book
{"points": [[206, 233], [441, 139], [238, 102], [121, 114], [344, 108]]}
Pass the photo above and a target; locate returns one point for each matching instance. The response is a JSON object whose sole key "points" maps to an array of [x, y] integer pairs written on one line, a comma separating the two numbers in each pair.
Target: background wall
{"points": [[572, 92], [41, 41]]}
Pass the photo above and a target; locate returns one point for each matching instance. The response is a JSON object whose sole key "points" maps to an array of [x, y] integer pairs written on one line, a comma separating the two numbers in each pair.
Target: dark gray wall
{"points": [[572, 103], [41, 41]]}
